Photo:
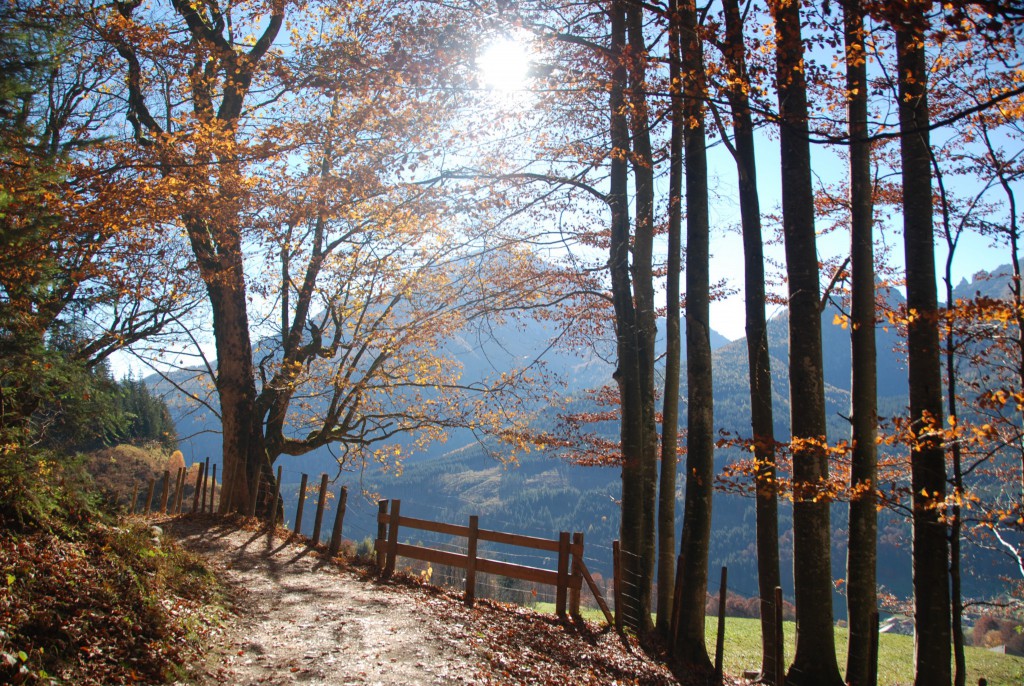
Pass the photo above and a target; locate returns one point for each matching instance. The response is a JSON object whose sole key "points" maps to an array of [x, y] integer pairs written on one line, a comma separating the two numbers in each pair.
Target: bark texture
{"points": [[927, 458], [815, 659]]}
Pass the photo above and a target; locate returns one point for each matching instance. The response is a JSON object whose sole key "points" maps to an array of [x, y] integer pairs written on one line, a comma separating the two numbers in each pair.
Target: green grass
{"points": [[895, 653]]}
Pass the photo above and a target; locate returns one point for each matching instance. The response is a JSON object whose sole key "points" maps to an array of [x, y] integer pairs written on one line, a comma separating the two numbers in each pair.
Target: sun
{"points": [[505, 64]]}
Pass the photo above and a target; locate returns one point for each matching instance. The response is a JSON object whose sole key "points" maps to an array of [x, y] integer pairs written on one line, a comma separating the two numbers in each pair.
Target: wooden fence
{"points": [[567, 577]]}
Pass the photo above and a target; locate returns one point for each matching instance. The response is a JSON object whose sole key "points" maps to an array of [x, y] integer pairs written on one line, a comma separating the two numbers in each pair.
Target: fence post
{"points": [[780, 655], [339, 520], [389, 566], [873, 651], [135, 496], [149, 495], [563, 574], [723, 595], [166, 492], [213, 489], [471, 549], [277, 496], [577, 575], [200, 481], [382, 534], [206, 477], [617, 585], [179, 493], [302, 503], [320, 503]]}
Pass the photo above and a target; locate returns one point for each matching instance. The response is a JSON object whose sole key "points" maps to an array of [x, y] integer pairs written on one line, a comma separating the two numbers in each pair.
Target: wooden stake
{"points": [[302, 503], [471, 549], [389, 566], [277, 496], [320, 504], [382, 534], [206, 475], [339, 520], [200, 480], [720, 642], [213, 489], [563, 574], [577, 576], [135, 496], [179, 493]]}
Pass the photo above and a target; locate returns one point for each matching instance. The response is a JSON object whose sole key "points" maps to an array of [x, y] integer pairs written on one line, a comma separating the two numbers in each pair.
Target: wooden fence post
{"points": [[471, 551], [206, 477], [617, 587], [389, 566], [302, 503], [149, 495], [723, 595], [563, 574], [339, 520], [179, 492], [213, 489], [780, 655], [320, 504], [166, 492], [382, 534], [135, 496], [200, 480], [277, 496], [577, 575]]}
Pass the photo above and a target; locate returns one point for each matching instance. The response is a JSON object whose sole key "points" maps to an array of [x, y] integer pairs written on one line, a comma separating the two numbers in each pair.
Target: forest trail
{"points": [[300, 619]]}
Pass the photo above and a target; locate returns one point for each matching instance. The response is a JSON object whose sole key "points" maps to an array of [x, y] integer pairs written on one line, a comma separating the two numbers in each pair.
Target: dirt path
{"points": [[300, 620]]}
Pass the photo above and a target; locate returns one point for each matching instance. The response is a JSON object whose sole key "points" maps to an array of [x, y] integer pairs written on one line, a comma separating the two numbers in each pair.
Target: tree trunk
{"points": [[224, 275], [758, 360], [927, 458], [700, 452], [815, 660], [627, 373], [670, 404], [643, 292], [861, 597]]}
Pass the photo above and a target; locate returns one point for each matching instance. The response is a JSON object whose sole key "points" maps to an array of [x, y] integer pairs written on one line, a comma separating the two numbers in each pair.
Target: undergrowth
{"points": [[85, 601]]}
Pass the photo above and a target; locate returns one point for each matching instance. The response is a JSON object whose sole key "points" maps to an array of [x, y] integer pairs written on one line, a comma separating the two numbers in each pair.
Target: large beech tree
{"points": [[815, 659], [300, 166]]}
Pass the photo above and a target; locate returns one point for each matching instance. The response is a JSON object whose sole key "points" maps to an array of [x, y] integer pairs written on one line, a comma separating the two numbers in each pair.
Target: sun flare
{"points": [[505, 64]]}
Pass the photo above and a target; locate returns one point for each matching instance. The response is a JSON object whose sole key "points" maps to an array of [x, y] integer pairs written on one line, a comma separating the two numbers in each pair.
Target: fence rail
{"points": [[568, 577]]}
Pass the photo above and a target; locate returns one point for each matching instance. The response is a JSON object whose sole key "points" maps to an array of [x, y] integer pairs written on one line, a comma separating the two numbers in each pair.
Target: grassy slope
{"points": [[895, 653], [86, 599]]}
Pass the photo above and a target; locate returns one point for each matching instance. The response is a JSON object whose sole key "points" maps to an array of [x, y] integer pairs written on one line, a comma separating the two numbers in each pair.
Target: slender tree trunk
{"points": [[670, 404], [955, 521], [927, 458], [861, 597], [643, 292], [627, 373], [758, 360], [700, 452], [815, 660]]}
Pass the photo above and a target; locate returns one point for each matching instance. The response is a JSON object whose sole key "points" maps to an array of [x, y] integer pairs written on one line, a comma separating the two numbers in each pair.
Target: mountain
{"points": [[542, 495]]}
